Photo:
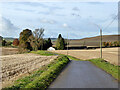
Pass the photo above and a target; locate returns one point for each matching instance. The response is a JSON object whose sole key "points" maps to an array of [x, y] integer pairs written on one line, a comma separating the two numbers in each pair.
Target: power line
{"points": [[111, 22]]}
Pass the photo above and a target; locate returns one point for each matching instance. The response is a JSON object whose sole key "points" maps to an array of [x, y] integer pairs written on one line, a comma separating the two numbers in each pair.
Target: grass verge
{"points": [[41, 52], [106, 66], [42, 78]]}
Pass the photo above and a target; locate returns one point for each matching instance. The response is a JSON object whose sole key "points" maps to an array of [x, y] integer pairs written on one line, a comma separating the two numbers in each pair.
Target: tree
{"points": [[49, 42], [1, 39], [116, 43], [60, 44], [3, 42], [16, 42], [36, 39], [23, 40]]}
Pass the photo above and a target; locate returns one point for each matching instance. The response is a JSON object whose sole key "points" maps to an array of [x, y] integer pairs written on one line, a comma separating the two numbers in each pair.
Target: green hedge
{"points": [[41, 79]]}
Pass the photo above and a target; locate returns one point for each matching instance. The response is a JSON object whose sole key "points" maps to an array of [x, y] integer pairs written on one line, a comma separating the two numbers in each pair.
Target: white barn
{"points": [[51, 49]]}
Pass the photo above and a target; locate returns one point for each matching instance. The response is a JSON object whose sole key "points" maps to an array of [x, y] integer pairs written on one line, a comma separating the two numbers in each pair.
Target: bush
{"points": [[8, 43], [16, 42], [116, 43], [106, 44], [4, 43]]}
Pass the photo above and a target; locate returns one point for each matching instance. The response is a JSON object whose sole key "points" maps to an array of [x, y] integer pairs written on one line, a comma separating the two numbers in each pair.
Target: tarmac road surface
{"points": [[83, 74]]}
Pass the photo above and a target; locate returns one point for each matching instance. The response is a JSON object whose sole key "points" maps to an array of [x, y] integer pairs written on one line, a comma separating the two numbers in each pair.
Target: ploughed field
{"points": [[8, 51], [109, 54], [14, 66]]}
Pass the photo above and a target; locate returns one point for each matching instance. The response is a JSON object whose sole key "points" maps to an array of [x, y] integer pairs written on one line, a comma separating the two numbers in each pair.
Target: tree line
{"points": [[111, 44], [33, 40]]}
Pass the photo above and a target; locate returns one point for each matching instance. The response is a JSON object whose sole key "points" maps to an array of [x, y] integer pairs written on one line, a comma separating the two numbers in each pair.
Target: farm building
{"points": [[51, 49]]}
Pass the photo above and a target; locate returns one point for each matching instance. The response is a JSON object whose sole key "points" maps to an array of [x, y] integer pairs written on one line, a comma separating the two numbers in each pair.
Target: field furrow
{"points": [[13, 66]]}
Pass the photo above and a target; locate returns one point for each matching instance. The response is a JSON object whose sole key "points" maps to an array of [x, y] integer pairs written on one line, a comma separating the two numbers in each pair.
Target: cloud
{"points": [[44, 13], [7, 28], [76, 9], [26, 10], [65, 25], [48, 21], [94, 3], [40, 4], [50, 34]]}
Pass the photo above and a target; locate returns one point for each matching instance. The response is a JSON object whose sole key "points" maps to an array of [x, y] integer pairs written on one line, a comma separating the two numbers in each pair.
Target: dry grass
{"points": [[109, 54]]}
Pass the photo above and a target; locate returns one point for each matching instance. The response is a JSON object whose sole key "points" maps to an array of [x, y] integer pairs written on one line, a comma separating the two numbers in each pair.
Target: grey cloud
{"points": [[94, 3], [7, 28], [38, 4], [44, 13], [48, 21], [26, 10], [76, 9]]}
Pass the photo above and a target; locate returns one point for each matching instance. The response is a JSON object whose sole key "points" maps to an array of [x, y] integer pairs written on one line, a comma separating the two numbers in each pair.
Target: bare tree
{"points": [[36, 39], [38, 33]]}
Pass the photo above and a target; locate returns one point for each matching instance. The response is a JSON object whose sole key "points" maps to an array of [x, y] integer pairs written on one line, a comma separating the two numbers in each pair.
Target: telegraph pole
{"points": [[100, 43], [67, 43]]}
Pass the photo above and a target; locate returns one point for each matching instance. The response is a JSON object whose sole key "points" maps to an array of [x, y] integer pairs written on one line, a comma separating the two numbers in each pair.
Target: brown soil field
{"points": [[15, 66], [8, 51], [109, 54]]}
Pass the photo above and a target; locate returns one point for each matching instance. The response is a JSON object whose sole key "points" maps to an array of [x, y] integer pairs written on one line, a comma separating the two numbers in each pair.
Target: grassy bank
{"points": [[41, 52], [106, 66], [41, 78]]}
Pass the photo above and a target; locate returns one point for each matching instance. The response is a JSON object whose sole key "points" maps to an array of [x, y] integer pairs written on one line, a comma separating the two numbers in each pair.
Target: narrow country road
{"points": [[83, 74]]}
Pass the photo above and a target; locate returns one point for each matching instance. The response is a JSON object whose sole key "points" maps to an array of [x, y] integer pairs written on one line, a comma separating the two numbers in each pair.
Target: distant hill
{"points": [[9, 38], [92, 41]]}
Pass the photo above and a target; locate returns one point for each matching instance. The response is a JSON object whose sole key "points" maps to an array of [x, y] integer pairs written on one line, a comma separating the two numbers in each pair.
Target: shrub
{"points": [[16, 42], [116, 43], [8, 43], [106, 44], [110, 44], [3, 42]]}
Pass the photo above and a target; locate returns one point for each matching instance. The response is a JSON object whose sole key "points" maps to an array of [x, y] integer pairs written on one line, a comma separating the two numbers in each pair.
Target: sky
{"points": [[75, 19]]}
